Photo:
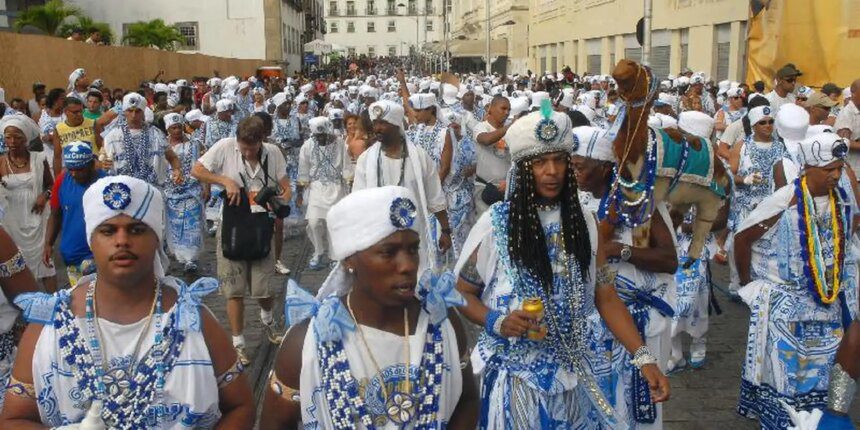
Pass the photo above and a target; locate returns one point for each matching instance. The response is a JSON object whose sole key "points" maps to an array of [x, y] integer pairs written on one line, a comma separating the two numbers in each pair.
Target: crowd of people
{"points": [[438, 204]]}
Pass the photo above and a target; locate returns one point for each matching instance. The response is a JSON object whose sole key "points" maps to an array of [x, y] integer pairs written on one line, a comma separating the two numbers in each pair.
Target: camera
{"points": [[269, 196]]}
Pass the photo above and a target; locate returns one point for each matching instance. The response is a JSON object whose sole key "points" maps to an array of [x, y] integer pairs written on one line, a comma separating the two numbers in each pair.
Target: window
{"points": [[350, 8], [350, 27], [332, 8], [392, 27], [392, 51], [413, 8], [371, 27], [351, 51], [371, 51], [371, 8], [428, 26], [188, 30], [593, 65], [392, 10], [333, 28], [428, 7]]}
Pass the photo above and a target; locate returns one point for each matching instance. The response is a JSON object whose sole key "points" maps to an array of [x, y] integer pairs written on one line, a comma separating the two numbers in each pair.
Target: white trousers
{"points": [[318, 235]]}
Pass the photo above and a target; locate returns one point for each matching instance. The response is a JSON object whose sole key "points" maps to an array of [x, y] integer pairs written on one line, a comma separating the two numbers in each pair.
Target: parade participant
{"points": [[33, 104], [459, 184], [357, 138], [429, 133], [67, 210], [223, 125], [26, 181], [324, 173], [534, 297], [74, 128], [211, 98], [184, 202], [303, 115], [195, 123], [377, 319], [395, 160], [254, 164], [800, 282], [494, 158], [730, 112], [138, 149], [644, 282], [79, 85], [783, 91], [335, 115], [696, 98], [735, 131], [129, 347], [48, 120], [848, 124], [15, 279], [94, 108], [259, 100]]}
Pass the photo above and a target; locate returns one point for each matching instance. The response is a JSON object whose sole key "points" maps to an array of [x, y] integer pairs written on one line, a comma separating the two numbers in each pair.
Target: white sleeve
{"points": [[304, 163], [436, 200], [213, 159], [843, 120], [359, 182]]}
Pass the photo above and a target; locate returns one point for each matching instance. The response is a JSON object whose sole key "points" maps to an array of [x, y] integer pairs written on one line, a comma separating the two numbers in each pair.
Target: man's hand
{"points": [[503, 185], [47, 254], [178, 177], [613, 250], [445, 242], [232, 190], [657, 383], [518, 323]]}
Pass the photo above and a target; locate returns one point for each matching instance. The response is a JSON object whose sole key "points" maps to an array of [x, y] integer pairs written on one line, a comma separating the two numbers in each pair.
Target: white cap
{"points": [[194, 115], [172, 119], [422, 101], [224, 105]]}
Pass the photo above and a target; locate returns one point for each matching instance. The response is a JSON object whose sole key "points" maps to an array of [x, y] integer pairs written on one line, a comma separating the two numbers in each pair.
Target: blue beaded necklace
{"points": [[137, 152]]}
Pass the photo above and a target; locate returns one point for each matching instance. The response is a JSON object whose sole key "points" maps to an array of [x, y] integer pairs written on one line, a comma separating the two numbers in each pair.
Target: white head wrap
{"points": [[214, 82], [133, 101], [161, 88], [306, 88], [519, 105], [696, 123], [279, 99], [818, 129], [659, 120], [194, 115], [791, 123], [805, 91], [822, 149], [538, 98], [21, 122], [590, 142], [172, 119], [117, 195], [734, 92], [587, 111], [449, 94], [320, 125], [334, 114], [534, 135], [422, 101], [387, 111], [759, 113], [224, 105], [73, 78]]}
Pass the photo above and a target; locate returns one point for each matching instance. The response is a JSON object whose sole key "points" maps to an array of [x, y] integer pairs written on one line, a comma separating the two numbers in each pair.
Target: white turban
{"points": [[696, 123], [422, 101], [538, 98], [661, 121], [791, 123], [449, 94], [279, 99], [759, 113], [534, 135], [214, 82], [590, 142], [822, 149], [320, 125], [387, 111], [133, 101], [734, 92], [334, 114], [123, 195], [585, 110], [518, 106], [194, 115], [223, 105], [161, 88], [21, 122], [172, 119], [306, 88], [73, 78]]}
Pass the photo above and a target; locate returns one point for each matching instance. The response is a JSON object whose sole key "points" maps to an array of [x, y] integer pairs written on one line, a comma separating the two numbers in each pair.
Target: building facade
{"points": [[384, 27], [509, 35], [273, 30], [9, 9], [592, 35]]}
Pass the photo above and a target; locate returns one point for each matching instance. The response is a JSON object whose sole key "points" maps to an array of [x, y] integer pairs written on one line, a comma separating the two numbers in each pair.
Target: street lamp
{"points": [[488, 67], [416, 28]]}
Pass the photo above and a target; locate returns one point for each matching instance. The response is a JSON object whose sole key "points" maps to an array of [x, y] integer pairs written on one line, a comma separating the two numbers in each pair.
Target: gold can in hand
{"points": [[534, 306]]}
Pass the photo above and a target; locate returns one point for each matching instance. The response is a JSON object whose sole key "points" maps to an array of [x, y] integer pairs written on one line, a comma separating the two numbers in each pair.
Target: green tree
{"points": [[47, 18], [153, 34], [88, 25]]}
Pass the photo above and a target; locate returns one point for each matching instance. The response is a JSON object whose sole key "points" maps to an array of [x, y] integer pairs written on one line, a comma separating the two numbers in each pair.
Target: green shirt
{"points": [[92, 115]]}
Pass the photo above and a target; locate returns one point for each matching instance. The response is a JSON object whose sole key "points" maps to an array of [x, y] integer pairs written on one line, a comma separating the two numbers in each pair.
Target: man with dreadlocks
{"points": [[533, 297]]}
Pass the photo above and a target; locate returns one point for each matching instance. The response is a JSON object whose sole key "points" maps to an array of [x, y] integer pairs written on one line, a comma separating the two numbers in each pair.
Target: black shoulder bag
{"points": [[246, 236]]}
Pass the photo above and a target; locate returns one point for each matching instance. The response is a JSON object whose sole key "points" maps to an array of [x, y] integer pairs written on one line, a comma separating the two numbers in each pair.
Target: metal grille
{"points": [[188, 30], [593, 66], [660, 61], [634, 54], [723, 61], [371, 27]]}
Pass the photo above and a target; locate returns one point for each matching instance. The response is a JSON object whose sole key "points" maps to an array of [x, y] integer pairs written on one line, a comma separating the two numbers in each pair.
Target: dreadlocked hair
{"points": [[526, 231]]}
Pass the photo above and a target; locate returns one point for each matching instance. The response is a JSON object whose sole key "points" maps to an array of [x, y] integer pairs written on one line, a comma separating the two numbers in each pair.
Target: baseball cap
{"points": [[819, 100], [788, 71]]}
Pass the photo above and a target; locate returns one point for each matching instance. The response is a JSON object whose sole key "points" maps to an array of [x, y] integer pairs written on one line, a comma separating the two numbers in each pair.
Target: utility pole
{"points": [[646, 35], [488, 67], [445, 31]]}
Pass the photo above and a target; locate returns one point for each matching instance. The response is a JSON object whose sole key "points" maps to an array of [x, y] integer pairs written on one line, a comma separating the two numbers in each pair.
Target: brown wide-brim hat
{"points": [[788, 71]]}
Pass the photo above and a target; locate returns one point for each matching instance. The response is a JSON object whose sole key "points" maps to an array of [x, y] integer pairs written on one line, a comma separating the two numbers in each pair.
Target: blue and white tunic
{"points": [[792, 339], [185, 207], [323, 170], [215, 130], [693, 288], [458, 190], [8, 316], [535, 384], [190, 394], [138, 153], [755, 157]]}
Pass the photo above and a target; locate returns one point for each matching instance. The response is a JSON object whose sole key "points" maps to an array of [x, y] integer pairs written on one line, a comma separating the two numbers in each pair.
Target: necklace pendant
{"points": [[400, 407]]}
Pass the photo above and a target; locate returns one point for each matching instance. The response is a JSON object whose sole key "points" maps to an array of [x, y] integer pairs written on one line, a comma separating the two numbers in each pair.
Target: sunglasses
{"points": [[790, 80], [765, 122], [734, 97]]}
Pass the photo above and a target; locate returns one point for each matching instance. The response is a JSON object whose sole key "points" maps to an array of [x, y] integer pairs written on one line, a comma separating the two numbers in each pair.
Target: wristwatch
{"points": [[626, 253]]}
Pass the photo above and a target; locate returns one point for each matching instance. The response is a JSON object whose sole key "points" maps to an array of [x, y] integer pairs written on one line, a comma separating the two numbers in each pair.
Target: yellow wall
{"points": [[28, 58], [564, 22]]}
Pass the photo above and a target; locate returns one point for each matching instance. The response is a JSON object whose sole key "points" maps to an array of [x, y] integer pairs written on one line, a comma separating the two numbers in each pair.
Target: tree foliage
{"points": [[153, 34], [48, 17]]}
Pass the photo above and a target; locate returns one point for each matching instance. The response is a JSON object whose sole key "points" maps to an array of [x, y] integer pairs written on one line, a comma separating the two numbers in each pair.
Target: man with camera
{"points": [[323, 172], [256, 191]]}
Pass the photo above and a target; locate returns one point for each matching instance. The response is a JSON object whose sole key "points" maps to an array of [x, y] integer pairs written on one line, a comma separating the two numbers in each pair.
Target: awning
{"points": [[318, 47], [478, 48]]}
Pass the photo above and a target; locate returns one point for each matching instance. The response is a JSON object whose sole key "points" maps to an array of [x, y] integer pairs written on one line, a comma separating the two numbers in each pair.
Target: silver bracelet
{"points": [[643, 357], [841, 390]]}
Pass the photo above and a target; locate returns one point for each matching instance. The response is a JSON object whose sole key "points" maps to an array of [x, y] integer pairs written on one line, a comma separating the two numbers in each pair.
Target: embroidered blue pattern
{"points": [[117, 196], [403, 213]]}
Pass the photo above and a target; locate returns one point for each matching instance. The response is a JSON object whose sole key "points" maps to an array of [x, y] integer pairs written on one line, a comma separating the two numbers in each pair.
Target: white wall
{"points": [[292, 27], [226, 28]]}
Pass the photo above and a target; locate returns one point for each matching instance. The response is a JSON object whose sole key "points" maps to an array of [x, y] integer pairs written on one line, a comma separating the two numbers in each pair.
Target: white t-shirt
{"points": [[224, 158], [776, 101], [733, 133], [493, 165], [849, 118]]}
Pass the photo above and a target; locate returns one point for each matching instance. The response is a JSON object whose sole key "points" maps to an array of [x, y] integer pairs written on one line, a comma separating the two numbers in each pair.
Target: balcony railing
{"points": [[371, 11]]}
